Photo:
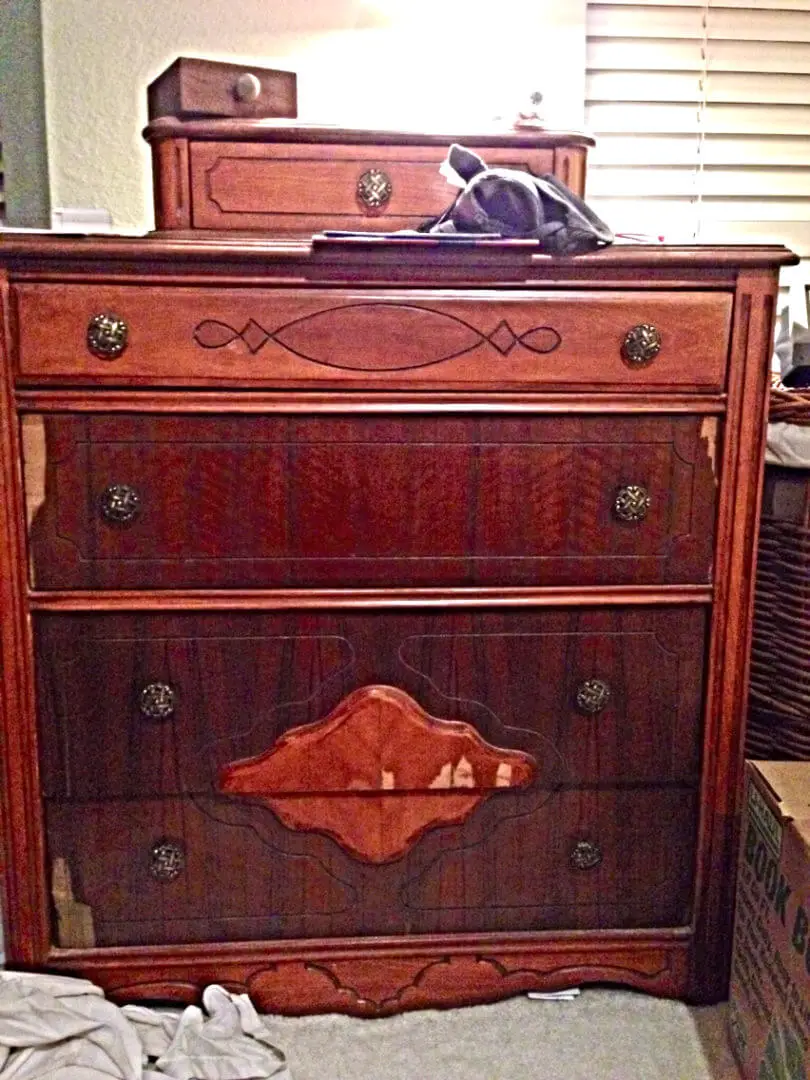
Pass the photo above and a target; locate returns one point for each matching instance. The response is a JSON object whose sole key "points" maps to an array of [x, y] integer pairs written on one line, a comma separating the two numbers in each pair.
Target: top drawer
{"points": [[427, 339], [306, 188]]}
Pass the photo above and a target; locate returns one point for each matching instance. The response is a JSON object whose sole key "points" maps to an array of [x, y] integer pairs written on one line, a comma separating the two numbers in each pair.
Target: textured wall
{"points": [[409, 63], [22, 115]]}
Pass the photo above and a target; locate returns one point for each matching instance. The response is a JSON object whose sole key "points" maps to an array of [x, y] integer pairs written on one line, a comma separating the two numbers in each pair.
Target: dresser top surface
{"points": [[247, 129], [376, 257]]}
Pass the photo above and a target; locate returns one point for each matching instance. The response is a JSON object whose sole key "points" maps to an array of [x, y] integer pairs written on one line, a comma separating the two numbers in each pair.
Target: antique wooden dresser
{"points": [[376, 613]]}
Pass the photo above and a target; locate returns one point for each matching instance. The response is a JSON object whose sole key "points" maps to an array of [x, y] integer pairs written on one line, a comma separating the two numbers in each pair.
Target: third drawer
{"points": [[593, 695]]}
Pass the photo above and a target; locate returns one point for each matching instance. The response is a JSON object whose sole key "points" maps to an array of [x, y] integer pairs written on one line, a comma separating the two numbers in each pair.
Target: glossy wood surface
{"points": [[367, 599], [229, 676], [508, 871], [292, 131], [244, 679], [260, 175], [430, 339], [472, 911], [515, 502], [389, 975], [256, 259], [25, 907], [311, 188], [376, 773]]}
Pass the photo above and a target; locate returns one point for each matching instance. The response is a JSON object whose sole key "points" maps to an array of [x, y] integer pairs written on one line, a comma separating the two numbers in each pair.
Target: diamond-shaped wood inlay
{"points": [[376, 773]]}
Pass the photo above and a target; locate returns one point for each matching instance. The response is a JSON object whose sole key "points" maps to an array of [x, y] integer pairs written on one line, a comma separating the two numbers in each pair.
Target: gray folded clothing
{"points": [[513, 203]]}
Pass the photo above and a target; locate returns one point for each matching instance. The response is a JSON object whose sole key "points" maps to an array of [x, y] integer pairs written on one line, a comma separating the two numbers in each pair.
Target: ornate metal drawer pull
{"points": [[631, 503], [641, 345], [120, 504], [593, 696], [374, 189], [167, 860], [107, 335], [156, 701], [585, 855]]}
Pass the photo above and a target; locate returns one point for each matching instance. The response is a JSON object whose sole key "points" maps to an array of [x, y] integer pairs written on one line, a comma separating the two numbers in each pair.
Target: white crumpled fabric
{"points": [[60, 1028], [230, 1043], [788, 445]]}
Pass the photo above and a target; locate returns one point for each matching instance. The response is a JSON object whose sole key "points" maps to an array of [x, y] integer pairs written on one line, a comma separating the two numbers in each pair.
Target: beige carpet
{"points": [[602, 1035]]}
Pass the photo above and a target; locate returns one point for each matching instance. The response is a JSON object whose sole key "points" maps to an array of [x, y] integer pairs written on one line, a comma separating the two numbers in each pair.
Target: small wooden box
{"points": [[194, 88]]}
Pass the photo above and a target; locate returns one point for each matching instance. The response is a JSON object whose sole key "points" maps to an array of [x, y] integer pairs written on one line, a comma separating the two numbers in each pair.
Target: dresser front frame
{"points": [[378, 976]]}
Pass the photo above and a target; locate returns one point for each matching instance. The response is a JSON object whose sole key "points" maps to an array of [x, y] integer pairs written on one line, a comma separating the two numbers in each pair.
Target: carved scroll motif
{"points": [[376, 337], [377, 773]]}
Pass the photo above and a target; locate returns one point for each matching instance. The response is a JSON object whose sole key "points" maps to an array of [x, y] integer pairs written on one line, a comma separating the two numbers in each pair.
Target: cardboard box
{"points": [[769, 1009]]}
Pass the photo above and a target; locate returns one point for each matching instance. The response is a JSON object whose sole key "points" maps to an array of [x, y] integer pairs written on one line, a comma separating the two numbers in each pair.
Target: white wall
{"points": [[417, 64]]}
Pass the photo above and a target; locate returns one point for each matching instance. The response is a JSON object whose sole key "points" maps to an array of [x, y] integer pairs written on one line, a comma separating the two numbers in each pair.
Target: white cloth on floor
{"points": [[155, 1027], [231, 1043], [59, 1028], [64, 1029]]}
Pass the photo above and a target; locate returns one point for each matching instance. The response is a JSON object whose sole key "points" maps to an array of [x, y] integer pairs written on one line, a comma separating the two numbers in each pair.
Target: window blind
{"points": [[701, 113]]}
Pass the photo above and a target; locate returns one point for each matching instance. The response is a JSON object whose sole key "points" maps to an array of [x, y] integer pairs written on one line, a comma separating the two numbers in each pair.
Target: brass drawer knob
{"points": [[167, 860], [641, 345], [593, 696], [107, 335], [120, 504], [156, 701], [631, 503], [585, 855], [374, 189]]}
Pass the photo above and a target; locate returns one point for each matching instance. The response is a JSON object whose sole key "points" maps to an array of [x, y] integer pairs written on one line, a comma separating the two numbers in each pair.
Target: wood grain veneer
{"points": [[615, 862], [516, 501], [360, 339]]}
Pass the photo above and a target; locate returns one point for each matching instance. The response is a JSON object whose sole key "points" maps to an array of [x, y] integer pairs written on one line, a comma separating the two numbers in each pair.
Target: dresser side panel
{"points": [[24, 907], [737, 528]]}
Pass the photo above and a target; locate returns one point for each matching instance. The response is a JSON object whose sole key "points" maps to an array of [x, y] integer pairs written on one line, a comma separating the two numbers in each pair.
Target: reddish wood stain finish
{"points": [[349, 339], [543, 492], [377, 773], [365, 466], [244, 174], [196, 88]]}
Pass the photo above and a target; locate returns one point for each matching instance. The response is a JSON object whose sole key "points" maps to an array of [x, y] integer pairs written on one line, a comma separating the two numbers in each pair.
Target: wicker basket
{"points": [[779, 711], [789, 406]]}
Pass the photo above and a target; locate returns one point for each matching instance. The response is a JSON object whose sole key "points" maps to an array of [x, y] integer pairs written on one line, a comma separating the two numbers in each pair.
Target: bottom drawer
{"points": [[201, 869], [224, 777]]}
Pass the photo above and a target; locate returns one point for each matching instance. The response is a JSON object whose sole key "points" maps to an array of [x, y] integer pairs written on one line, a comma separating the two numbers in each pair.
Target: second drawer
{"points": [[274, 501]]}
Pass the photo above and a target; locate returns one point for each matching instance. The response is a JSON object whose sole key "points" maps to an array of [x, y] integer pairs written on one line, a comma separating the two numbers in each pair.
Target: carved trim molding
{"points": [[377, 337], [382, 985], [377, 773]]}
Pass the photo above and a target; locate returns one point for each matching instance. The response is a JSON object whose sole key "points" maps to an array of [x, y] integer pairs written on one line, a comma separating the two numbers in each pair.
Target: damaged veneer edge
{"points": [[35, 460], [74, 921]]}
